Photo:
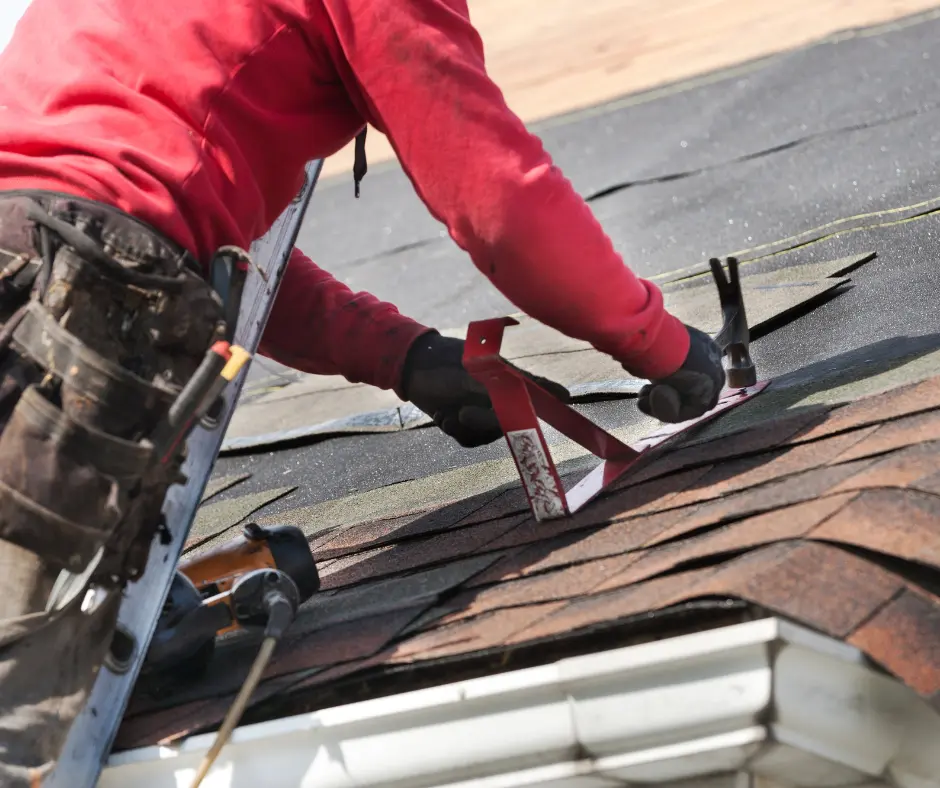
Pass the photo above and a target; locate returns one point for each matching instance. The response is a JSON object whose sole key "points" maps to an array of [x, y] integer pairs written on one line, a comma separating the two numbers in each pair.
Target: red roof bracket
{"points": [[519, 404]]}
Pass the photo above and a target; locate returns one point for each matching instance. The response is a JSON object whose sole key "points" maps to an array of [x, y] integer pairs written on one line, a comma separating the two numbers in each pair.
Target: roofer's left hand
{"points": [[435, 381]]}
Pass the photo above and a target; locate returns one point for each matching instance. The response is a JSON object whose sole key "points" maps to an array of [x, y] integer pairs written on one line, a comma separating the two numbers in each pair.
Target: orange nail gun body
{"points": [[227, 589], [284, 548]]}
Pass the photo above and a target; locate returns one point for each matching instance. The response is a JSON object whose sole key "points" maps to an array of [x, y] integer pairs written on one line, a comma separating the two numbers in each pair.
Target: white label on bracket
{"points": [[546, 498]]}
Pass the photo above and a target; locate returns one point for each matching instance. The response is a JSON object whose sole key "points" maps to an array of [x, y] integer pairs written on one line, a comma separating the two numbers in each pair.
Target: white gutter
{"points": [[761, 703]]}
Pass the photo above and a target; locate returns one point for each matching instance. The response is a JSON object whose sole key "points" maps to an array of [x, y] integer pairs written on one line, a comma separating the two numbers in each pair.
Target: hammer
{"points": [[734, 337]]}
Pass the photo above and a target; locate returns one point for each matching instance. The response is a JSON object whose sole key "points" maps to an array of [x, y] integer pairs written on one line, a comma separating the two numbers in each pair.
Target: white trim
{"points": [[764, 698]]}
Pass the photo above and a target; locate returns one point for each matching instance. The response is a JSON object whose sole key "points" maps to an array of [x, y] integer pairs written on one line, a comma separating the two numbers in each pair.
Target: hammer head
{"points": [[735, 336]]}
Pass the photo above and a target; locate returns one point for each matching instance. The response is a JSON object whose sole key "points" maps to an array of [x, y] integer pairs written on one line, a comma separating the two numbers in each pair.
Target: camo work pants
{"points": [[104, 322]]}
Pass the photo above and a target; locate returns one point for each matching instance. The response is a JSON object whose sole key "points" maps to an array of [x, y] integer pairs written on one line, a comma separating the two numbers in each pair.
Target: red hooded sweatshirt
{"points": [[197, 116]]}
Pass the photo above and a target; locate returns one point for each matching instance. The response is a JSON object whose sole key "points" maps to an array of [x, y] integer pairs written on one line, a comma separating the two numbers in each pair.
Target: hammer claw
{"points": [[718, 272], [735, 336]]}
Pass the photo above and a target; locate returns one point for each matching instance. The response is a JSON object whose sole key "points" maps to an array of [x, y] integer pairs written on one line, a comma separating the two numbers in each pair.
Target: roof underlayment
{"points": [[816, 503]]}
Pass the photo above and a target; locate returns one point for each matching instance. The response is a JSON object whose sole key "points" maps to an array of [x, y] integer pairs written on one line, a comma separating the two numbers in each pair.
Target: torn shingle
{"points": [[219, 484], [366, 536], [216, 518]]}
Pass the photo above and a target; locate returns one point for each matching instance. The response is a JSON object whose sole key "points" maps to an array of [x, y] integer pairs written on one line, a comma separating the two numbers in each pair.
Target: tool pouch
{"points": [[64, 487], [118, 321]]}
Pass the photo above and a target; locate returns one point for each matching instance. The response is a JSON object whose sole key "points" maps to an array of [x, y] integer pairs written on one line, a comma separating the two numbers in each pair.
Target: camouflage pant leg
{"points": [[66, 650]]}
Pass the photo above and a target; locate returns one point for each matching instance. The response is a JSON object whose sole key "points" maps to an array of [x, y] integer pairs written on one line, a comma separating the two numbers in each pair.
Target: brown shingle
{"points": [[896, 435], [298, 652], [753, 471], [343, 671], [759, 516], [904, 637], [772, 434], [608, 540], [570, 582], [415, 553], [636, 498], [514, 562], [167, 725], [909, 466], [341, 643], [903, 401], [929, 484], [321, 538], [902, 523], [633, 534], [500, 504], [488, 631], [780, 525], [818, 585], [604, 608], [186, 717], [424, 587], [364, 536], [795, 489], [619, 505]]}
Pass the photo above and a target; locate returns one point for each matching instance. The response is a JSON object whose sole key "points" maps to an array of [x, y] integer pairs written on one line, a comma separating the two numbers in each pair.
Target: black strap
{"points": [[90, 251], [360, 163], [229, 271]]}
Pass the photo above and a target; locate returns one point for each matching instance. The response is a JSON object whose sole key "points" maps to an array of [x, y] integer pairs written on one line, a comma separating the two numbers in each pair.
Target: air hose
{"points": [[280, 607]]}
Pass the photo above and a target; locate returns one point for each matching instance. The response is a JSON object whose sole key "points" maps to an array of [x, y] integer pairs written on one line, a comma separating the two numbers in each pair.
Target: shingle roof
{"points": [[828, 517]]}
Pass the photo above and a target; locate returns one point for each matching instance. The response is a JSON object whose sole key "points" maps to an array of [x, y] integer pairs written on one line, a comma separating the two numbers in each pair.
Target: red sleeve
{"points": [[319, 325], [419, 67]]}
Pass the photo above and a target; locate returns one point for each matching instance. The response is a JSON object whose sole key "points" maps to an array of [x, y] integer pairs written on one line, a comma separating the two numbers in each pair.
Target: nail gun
{"points": [[254, 582]]}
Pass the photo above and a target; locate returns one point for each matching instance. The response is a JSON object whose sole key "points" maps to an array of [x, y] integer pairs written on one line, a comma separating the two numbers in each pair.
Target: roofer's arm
{"points": [[319, 325], [420, 69]]}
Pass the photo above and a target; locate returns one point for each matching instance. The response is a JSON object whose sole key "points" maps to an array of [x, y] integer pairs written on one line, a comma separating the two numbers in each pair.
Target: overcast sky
{"points": [[10, 11]]}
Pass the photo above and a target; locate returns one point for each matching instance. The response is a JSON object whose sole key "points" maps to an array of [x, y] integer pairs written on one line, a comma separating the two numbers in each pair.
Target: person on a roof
{"points": [[139, 142]]}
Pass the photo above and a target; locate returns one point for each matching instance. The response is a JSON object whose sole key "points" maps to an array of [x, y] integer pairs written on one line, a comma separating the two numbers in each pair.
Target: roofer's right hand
{"points": [[693, 389], [435, 381]]}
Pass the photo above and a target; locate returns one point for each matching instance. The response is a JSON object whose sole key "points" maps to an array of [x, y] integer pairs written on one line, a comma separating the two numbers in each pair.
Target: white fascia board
{"points": [[765, 697]]}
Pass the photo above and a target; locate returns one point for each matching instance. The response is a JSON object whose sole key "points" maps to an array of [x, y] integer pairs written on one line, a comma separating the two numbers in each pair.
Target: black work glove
{"points": [[435, 381], [693, 389]]}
